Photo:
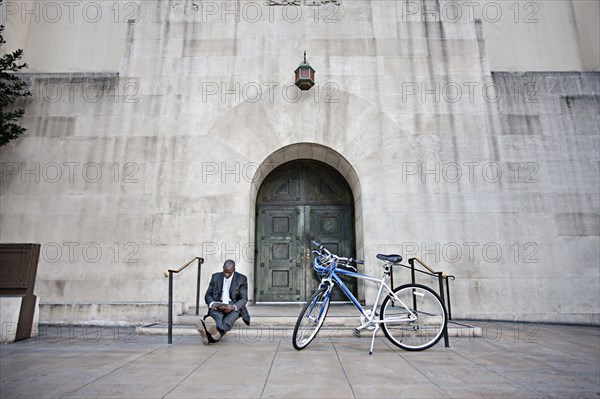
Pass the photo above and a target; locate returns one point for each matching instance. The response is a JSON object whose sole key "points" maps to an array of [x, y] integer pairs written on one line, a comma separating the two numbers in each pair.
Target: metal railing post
{"points": [[412, 269], [170, 339], [198, 287], [442, 296], [411, 261], [448, 308]]}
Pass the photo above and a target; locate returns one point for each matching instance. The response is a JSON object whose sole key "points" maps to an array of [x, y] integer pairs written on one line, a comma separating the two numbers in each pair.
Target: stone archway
{"points": [[337, 214], [299, 201]]}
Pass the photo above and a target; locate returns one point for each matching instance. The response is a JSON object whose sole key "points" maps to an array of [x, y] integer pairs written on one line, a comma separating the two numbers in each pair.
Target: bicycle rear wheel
{"points": [[421, 332], [311, 318]]}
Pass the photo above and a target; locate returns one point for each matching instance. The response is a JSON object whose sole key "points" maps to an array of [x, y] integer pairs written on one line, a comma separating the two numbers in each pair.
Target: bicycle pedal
{"points": [[356, 333]]}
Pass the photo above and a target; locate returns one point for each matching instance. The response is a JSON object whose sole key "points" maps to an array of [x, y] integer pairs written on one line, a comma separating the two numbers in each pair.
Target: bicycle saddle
{"points": [[390, 258]]}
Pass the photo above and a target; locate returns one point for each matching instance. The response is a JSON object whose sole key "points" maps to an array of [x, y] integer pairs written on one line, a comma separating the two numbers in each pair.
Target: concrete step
{"points": [[106, 313], [286, 309], [283, 327], [279, 320], [347, 321]]}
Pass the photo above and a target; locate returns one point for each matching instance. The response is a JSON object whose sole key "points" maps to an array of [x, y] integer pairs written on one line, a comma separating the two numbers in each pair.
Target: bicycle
{"points": [[412, 316]]}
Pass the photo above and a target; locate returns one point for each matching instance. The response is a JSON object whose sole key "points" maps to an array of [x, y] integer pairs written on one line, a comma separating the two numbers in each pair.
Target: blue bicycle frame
{"points": [[333, 275]]}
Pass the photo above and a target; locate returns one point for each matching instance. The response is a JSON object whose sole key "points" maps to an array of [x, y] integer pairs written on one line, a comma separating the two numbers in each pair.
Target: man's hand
{"points": [[227, 309]]}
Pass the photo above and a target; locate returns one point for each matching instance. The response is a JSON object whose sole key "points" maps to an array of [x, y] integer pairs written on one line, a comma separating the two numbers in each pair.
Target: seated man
{"points": [[226, 297]]}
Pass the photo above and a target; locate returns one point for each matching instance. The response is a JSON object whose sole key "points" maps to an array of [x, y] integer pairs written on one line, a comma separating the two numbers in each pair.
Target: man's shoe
{"points": [[211, 328], [203, 332]]}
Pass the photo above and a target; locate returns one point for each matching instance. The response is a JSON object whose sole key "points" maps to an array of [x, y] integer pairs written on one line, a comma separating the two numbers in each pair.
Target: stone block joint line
{"points": [[343, 370], [110, 372], [415, 368], [190, 373], [270, 368]]}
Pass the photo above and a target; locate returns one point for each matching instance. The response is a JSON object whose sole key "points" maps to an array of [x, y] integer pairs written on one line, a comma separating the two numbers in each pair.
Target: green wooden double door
{"points": [[300, 201]]}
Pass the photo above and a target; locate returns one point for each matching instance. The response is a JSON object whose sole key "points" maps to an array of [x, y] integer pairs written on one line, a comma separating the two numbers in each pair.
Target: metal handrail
{"points": [[169, 273], [427, 267], [166, 273], [445, 297]]}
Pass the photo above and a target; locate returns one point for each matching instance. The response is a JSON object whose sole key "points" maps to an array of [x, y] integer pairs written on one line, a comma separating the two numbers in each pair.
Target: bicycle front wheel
{"points": [[311, 318], [417, 320]]}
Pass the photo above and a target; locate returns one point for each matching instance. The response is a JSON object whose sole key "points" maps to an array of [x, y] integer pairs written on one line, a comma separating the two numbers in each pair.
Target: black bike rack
{"points": [[441, 276]]}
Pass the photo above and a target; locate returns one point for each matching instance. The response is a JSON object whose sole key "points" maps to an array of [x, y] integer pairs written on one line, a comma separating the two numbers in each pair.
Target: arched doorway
{"points": [[300, 201]]}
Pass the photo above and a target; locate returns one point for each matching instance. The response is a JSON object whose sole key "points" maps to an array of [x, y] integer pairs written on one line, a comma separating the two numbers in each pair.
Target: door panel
{"points": [[333, 227], [279, 271]]}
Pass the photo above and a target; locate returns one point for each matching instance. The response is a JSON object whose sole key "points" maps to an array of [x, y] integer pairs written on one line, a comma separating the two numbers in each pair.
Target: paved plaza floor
{"points": [[511, 360]]}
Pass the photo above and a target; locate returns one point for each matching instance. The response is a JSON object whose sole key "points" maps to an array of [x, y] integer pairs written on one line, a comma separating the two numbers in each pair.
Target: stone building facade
{"points": [[467, 136]]}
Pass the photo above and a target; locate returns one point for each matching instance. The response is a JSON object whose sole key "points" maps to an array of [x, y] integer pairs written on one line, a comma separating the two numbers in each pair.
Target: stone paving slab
{"points": [[510, 361]]}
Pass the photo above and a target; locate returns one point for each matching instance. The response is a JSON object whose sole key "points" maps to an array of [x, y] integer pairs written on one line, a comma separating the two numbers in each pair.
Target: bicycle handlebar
{"points": [[348, 261], [321, 247]]}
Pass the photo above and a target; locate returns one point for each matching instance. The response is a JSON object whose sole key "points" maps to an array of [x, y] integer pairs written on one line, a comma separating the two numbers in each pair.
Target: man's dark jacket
{"points": [[238, 292]]}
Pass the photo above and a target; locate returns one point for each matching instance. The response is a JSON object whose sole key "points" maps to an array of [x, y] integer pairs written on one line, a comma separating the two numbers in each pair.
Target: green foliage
{"points": [[11, 88]]}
